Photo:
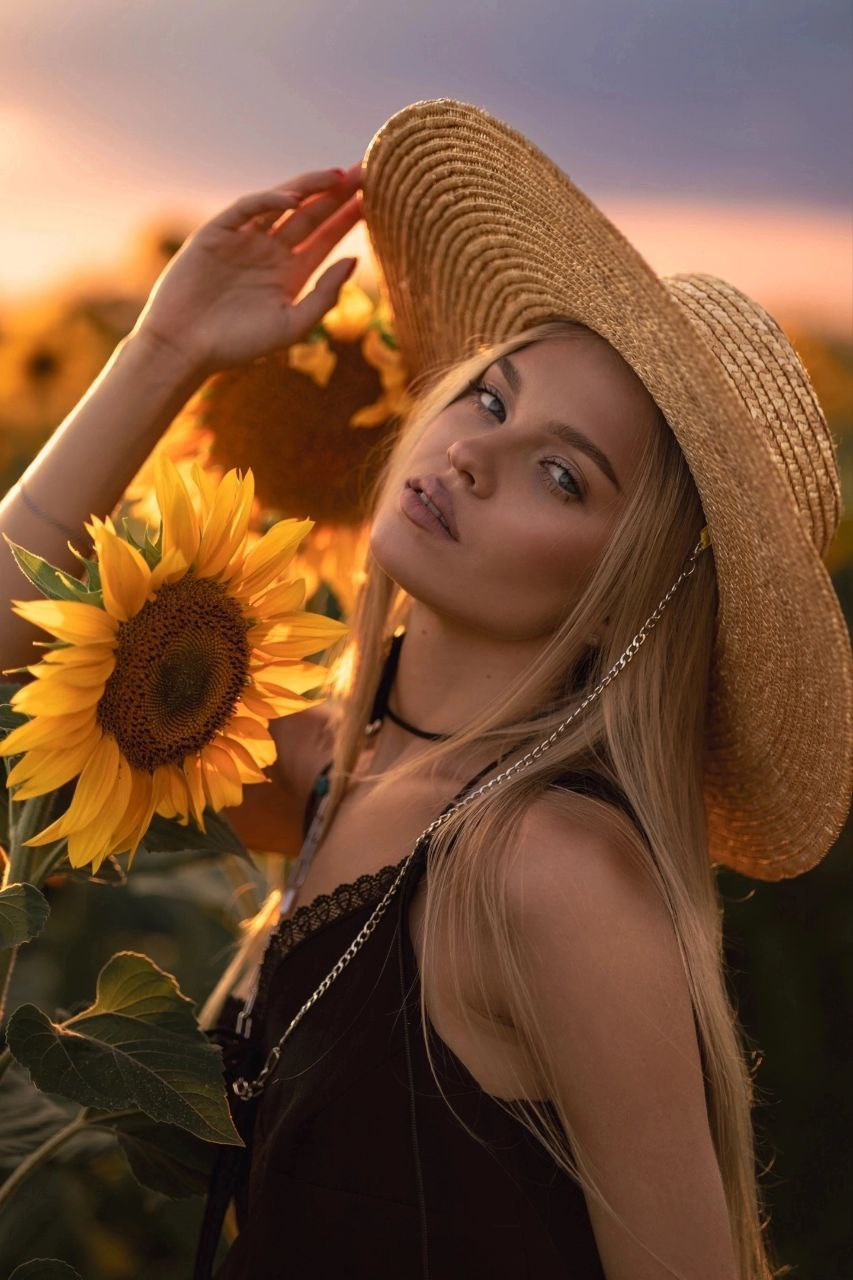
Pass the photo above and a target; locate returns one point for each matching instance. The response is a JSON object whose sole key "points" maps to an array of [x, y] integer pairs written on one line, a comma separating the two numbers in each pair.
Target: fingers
{"points": [[256, 204], [313, 212], [315, 180], [322, 297], [282, 197], [319, 245]]}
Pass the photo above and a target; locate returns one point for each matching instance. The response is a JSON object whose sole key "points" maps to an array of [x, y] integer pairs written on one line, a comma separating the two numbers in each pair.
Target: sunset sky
{"points": [[717, 136]]}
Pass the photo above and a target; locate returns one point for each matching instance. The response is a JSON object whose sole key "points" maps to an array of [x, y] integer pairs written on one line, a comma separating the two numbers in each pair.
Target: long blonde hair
{"points": [[646, 734]]}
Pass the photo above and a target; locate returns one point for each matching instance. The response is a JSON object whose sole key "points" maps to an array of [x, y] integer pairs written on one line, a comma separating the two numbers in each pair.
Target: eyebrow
{"points": [[562, 430]]}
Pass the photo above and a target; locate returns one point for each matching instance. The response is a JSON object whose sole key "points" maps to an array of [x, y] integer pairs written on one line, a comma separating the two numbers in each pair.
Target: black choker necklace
{"points": [[420, 733], [380, 702]]}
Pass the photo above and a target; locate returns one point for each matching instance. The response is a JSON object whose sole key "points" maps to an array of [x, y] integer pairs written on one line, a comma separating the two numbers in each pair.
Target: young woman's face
{"points": [[532, 509]]}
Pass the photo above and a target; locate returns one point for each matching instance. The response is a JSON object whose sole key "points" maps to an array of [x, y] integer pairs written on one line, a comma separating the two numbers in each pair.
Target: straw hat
{"points": [[477, 234]]}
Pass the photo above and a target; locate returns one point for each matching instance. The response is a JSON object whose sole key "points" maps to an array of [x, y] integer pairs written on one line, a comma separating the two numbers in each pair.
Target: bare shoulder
{"points": [[569, 857], [304, 742], [610, 993]]}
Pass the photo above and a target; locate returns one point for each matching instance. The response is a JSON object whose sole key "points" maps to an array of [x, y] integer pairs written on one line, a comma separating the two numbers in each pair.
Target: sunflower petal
{"points": [[53, 697], [284, 596], [168, 569], [144, 823], [257, 739], [215, 548], [70, 620], [270, 555], [195, 788], [293, 677], [93, 842], [49, 732], [247, 767], [77, 655], [179, 520], [240, 527], [140, 807], [54, 768], [125, 576], [165, 805], [95, 786], [206, 485], [220, 778], [77, 676]]}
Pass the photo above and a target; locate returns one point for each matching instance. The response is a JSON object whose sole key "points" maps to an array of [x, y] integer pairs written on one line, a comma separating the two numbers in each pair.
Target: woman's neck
{"points": [[446, 676]]}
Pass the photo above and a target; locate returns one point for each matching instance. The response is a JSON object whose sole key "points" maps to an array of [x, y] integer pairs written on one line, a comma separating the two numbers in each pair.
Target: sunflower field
{"points": [[202, 612]]}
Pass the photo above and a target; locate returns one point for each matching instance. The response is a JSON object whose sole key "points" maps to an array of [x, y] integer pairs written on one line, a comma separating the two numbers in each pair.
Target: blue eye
{"points": [[478, 389]]}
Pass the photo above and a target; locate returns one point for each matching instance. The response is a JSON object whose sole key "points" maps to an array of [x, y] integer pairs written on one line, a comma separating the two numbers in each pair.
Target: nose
{"points": [[471, 457]]}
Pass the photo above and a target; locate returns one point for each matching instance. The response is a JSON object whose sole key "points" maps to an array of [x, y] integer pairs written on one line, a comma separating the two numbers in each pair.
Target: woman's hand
{"points": [[226, 298]]}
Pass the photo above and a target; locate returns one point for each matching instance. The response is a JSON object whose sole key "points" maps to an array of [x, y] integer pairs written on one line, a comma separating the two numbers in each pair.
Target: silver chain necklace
{"points": [[247, 1089]]}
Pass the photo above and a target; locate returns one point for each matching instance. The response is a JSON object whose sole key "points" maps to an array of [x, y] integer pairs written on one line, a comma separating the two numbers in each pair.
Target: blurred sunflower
{"points": [[315, 419], [185, 442], [291, 415], [51, 351], [160, 700]]}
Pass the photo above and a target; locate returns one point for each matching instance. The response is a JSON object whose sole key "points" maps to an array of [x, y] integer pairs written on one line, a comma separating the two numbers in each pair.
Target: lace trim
{"points": [[311, 918]]}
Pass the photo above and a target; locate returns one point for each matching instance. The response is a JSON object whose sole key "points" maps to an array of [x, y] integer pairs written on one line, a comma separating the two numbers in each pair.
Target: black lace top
{"points": [[356, 1167]]}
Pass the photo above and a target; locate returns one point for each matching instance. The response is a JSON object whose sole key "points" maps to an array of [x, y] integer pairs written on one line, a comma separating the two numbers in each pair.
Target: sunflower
{"points": [[160, 699]]}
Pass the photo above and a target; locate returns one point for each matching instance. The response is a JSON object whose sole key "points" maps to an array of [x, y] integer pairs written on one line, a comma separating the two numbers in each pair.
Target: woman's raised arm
{"points": [[225, 299]]}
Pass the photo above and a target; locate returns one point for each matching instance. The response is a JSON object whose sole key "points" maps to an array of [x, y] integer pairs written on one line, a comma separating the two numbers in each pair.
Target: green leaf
{"points": [[45, 1269], [23, 911], [93, 572], [27, 817], [29, 1118], [167, 835], [10, 717], [152, 550], [51, 582], [127, 533], [163, 1157], [138, 1046]]}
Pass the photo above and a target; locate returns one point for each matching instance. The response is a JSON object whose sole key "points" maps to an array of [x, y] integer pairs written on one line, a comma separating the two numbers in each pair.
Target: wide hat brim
{"points": [[478, 234]]}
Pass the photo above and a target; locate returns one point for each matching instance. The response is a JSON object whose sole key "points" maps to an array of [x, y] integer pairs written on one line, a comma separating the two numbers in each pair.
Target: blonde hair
{"points": [[646, 734]]}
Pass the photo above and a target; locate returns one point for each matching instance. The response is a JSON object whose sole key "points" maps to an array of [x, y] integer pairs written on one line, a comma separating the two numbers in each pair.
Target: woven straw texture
{"points": [[478, 234]]}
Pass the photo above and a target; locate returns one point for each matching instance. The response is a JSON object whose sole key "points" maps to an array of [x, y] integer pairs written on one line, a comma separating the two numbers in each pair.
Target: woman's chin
{"points": [[405, 560]]}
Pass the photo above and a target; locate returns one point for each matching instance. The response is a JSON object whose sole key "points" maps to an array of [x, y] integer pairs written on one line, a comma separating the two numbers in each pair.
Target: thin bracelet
{"points": [[57, 524]]}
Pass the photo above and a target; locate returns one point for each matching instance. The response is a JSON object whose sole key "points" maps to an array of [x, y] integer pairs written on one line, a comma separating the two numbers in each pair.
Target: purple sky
{"points": [[110, 111]]}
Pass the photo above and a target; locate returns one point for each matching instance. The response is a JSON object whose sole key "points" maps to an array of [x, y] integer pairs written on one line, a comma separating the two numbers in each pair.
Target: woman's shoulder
{"points": [[579, 839]]}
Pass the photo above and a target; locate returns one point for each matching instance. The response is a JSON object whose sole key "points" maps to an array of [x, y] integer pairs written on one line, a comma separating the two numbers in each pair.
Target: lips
{"points": [[439, 495]]}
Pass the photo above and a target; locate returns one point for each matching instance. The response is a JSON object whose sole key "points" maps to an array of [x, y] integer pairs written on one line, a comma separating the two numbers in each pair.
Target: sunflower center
{"points": [[181, 665]]}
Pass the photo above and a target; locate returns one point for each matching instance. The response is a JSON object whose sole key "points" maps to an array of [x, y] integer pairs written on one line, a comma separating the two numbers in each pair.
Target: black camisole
{"points": [[356, 1168]]}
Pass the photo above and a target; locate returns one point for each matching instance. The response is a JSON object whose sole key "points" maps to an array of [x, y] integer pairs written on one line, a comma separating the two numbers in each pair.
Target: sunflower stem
{"points": [[8, 956], [41, 1154], [51, 859]]}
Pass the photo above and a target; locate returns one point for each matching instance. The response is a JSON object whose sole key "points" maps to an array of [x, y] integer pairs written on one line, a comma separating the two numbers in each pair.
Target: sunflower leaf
{"points": [[29, 1118], [163, 1157], [45, 1269], [93, 572], [26, 817], [127, 533], [51, 582], [152, 550], [10, 718], [138, 1046], [167, 835], [23, 911]]}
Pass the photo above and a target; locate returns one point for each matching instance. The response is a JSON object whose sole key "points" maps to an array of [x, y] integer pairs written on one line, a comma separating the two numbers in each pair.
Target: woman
{"points": [[526, 1062]]}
